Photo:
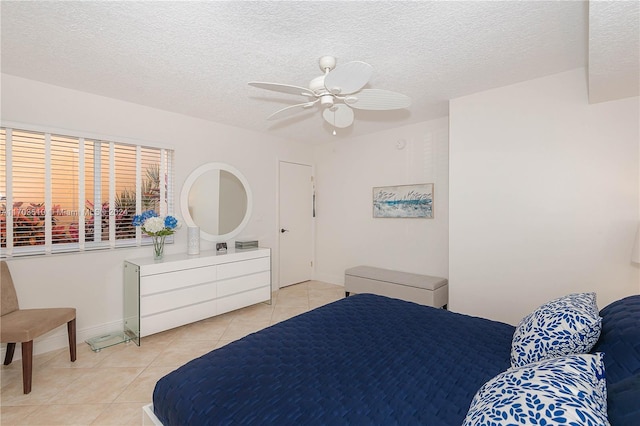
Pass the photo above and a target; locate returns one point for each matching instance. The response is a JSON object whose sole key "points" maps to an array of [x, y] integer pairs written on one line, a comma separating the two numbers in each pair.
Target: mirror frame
{"points": [[184, 200]]}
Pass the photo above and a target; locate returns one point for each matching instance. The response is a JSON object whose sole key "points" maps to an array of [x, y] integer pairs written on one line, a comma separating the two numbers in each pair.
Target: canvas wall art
{"points": [[407, 201]]}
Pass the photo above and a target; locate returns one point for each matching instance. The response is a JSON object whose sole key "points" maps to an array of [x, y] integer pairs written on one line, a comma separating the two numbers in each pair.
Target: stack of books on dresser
{"points": [[247, 244]]}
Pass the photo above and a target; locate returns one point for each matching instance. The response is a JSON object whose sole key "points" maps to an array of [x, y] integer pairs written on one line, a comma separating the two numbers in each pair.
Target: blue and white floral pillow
{"points": [[564, 326], [569, 390]]}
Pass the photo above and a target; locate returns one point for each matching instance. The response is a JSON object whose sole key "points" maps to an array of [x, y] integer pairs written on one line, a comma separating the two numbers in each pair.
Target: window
{"points": [[63, 193]]}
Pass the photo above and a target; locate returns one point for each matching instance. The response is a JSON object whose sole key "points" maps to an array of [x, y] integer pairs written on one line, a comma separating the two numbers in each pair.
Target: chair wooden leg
{"points": [[11, 348], [27, 363], [71, 331]]}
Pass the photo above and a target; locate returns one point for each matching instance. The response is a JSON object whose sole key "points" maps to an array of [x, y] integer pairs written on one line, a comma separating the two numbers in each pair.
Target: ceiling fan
{"points": [[338, 91]]}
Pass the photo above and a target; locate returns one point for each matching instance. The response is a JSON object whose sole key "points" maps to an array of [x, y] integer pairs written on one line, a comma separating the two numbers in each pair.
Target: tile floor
{"points": [[110, 387]]}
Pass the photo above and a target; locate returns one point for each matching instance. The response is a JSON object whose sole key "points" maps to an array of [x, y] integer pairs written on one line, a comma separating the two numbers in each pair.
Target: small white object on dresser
{"points": [[193, 240], [183, 289]]}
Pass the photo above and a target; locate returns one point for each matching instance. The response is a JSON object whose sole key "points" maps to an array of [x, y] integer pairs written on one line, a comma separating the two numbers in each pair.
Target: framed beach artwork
{"points": [[406, 201]]}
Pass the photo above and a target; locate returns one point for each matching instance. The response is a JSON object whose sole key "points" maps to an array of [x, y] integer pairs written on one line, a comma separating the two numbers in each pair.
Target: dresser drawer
{"points": [[168, 300], [243, 283], [151, 324], [151, 284], [246, 267], [237, 301]]}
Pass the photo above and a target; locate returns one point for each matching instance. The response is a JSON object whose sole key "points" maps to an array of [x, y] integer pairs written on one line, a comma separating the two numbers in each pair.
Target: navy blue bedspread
{"points": [[365, 359]]}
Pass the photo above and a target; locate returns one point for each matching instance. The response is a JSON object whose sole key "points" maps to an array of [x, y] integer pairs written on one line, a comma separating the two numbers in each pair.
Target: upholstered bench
{"points": [[422, 289]]}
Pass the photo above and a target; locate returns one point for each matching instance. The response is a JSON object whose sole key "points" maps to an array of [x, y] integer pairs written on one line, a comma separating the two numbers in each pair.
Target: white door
{"points": [[296, 211]]}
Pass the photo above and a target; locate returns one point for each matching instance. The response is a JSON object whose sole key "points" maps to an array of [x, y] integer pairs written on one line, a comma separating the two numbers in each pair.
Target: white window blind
{"points": [[65, 193]]}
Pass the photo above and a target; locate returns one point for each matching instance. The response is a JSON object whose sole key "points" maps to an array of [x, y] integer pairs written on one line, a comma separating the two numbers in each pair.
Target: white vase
{"points": [[193, 240]]}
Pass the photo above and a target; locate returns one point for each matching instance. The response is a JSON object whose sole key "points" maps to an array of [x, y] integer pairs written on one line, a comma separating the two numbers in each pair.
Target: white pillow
{"points": [[569, 390], [564, 326]]}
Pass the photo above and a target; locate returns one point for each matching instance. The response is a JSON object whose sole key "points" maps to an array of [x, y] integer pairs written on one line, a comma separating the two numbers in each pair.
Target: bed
{"points": [[370, 359]]}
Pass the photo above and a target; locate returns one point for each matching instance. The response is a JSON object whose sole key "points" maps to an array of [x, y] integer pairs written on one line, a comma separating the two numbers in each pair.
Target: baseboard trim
{"points": [[58, 339], [332, 279]]}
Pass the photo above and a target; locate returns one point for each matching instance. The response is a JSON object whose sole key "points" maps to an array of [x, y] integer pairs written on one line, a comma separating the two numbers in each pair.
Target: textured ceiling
{"points": [[614, 58], [196, 58]]}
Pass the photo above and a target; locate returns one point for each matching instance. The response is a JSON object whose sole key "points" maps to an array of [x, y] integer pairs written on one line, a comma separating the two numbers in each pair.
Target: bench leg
{"points": [[346, 294]]}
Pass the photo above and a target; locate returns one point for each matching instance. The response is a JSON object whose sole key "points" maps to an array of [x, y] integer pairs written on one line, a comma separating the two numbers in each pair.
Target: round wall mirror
{"points": [[216, 198]]}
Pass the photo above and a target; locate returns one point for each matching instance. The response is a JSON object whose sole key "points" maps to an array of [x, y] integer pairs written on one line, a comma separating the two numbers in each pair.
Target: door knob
{"points": [[282, 231]]}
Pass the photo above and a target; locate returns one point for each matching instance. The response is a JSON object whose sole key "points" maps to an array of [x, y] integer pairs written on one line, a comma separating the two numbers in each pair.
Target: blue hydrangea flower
{"points": [[154, 225], [137, 220], [147, 214], [170, 222]]}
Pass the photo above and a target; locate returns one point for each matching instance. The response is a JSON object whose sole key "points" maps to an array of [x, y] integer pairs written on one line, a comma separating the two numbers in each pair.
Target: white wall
{"points": [[92, 282], [544, 196], [347, 170]]}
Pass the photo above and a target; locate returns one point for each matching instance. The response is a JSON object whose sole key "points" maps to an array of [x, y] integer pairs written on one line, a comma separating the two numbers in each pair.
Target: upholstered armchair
{"points": [[24, 325]]}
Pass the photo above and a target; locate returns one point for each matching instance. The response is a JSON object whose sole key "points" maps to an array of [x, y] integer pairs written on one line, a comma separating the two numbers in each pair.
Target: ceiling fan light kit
{"points": [[338, 91]]}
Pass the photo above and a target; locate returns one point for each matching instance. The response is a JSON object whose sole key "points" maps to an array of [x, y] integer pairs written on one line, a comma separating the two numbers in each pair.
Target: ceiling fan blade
{"points": [[282, 88], [339, 116], [291, 110], [348, 78], [376, 99]]}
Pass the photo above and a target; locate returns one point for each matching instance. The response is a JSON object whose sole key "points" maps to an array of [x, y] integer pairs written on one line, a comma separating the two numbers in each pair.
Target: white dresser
{"points": [[182, 289]]}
